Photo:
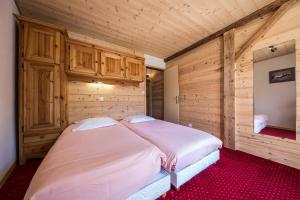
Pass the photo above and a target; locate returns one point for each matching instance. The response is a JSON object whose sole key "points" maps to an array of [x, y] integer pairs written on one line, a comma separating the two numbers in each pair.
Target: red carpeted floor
{"points": [[236, 176], [279, 133]]}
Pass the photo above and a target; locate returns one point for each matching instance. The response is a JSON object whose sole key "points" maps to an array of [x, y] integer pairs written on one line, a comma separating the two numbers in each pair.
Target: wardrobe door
{"points": [[41, 112], [135, 69], [112, 66], [41, 43], [82, 59]]}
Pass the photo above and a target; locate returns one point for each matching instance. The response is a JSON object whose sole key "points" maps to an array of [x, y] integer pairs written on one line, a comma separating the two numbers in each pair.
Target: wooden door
{"points": [[134, 69], [41, 43], [41, 98], [112, 65], [171, 95], [82, 59]]}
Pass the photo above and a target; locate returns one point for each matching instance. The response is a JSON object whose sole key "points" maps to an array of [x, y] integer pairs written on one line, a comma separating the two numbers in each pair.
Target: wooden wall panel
{"points": [[280, 150], [201, 87], [119, 100], [201, 82]]}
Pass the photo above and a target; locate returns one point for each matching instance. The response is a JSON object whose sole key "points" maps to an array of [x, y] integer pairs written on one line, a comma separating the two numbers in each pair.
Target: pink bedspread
{"points": [[103, 163], [182, 145]]}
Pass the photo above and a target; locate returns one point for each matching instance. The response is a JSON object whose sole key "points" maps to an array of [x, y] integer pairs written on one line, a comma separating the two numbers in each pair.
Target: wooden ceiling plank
{"points": [[170, 38], [247, 6], [207, 11], [162, 27], [172, 27], [204, 25], [169, 17], [175, 28], [232, 7], [105, 37], [265, 27], [266, 9], [88, 19], [103, 30], [78, 9]]}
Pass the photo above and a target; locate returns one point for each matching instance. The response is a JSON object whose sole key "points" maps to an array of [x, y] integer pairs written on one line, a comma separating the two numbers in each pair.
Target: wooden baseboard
{"points": [[8, 172]]}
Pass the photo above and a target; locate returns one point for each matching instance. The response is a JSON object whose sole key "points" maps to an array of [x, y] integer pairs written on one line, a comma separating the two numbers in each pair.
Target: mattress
{"points": [[184, 175], [159, 185], [100, 163], [182, 145], [260, 122]]}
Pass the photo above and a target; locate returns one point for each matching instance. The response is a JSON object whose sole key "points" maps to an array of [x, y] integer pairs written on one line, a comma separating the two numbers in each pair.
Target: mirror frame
{"points": [[296, 82], [283, 37]]}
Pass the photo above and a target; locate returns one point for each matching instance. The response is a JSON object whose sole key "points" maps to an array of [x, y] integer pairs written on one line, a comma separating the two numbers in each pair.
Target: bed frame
{"points": [[158, 186], [184, 175]]}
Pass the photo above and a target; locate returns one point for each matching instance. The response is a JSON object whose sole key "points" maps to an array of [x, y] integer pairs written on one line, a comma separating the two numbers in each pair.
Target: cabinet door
{"points": [[135, 69], [82, 59], [112, 65], [41, 43], [41, 97]]}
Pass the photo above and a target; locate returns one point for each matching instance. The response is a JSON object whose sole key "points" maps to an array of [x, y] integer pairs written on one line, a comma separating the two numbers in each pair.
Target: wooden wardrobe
{"points": [[47, 58], [42, 87]]}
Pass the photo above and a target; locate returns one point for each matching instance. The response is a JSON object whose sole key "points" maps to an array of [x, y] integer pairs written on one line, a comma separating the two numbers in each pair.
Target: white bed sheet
{"points": [[260, 122]]}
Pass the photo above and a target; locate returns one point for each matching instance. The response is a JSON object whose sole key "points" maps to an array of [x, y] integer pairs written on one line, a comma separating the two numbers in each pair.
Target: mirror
{"points": [[275, 90]]}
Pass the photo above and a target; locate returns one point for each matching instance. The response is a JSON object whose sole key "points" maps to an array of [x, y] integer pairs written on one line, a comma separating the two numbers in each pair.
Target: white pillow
{"points": [[138, 118], [92, 123]]}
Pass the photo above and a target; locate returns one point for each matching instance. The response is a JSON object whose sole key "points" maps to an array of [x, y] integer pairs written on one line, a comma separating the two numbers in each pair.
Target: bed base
{"points": [[184, 175], [158, 186]]}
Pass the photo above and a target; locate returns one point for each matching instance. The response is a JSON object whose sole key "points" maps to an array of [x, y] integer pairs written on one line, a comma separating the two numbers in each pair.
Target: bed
{"points": [[103, 163], [260, 122], [188, 151]]}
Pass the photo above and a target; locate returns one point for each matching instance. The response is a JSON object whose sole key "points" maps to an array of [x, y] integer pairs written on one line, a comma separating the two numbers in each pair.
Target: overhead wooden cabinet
{"points": [[82, 59], [112, 65], [41, 87], [99, 63], [135, 69], [41, 43]]}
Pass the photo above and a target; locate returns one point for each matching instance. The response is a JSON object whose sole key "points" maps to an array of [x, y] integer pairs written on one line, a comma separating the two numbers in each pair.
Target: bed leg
{"points": [[164, 195]]}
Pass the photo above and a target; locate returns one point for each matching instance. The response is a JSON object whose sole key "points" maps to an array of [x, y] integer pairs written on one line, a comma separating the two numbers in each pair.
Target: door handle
{"points": [[176, 98]]}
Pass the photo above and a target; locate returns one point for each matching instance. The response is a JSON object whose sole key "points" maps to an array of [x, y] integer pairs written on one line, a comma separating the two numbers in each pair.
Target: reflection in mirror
{"points": [[275, 90]]}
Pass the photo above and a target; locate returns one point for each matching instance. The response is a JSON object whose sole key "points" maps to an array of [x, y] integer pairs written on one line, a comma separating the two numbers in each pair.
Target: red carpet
{"points": [[279, 133], [18, 182], [236, 176]]}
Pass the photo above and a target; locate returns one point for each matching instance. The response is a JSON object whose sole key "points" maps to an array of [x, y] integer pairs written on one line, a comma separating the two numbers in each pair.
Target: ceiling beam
{"points": [[266, 9], [265, 27]]}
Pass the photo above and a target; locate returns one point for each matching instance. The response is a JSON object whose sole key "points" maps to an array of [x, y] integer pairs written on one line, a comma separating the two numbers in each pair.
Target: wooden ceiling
{"points": [[155, 27], [280, 50]]}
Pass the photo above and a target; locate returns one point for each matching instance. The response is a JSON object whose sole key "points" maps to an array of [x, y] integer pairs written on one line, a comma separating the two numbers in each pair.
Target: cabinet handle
{"points": [[56, 97]]}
